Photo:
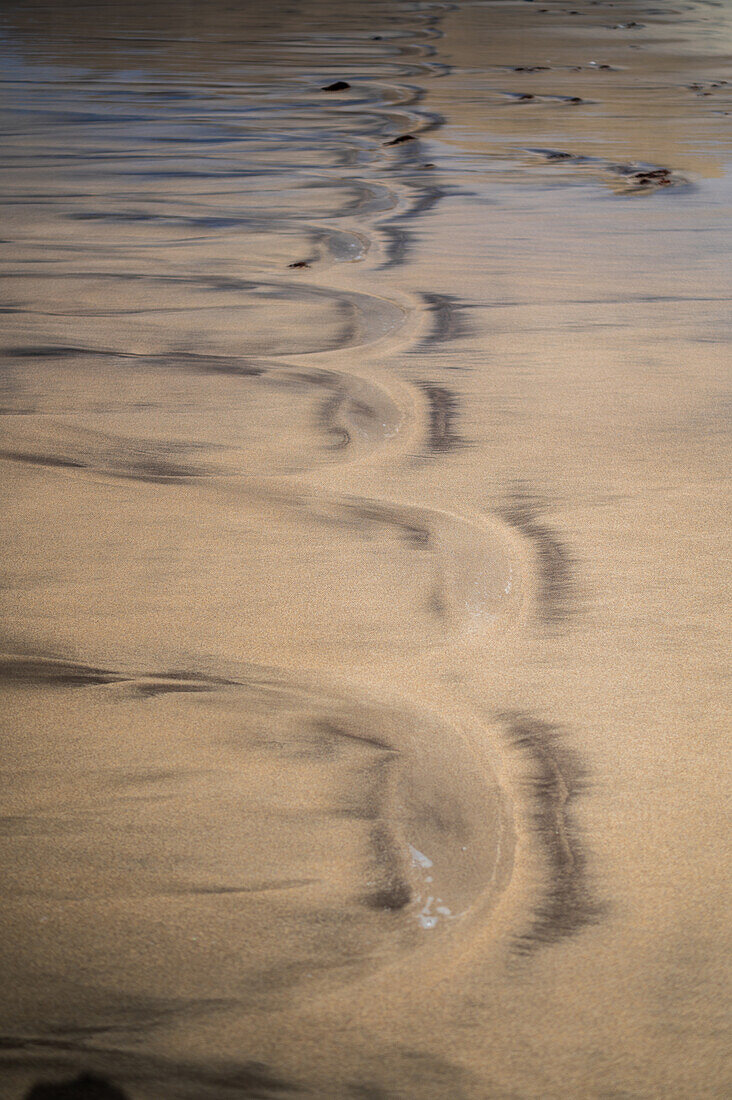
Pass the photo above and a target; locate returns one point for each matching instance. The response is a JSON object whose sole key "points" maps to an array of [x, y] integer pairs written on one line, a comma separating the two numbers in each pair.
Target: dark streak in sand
{"points": [[555, 777], [33, 459], [398, 242], [51, 672], [443, 410], [391, 891], [448, 322], [151, 690], [398, 237], [330, 729], [45, 351], [556, 567], [327, 420], [426, 199], [390, 516]]}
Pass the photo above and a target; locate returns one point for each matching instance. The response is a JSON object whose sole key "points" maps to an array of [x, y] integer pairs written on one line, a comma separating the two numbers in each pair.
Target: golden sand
{"points": [[363, 529]]}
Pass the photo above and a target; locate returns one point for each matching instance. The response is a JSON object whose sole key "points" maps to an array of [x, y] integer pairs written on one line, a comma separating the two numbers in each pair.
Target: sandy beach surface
{"points": [[364, 394]]}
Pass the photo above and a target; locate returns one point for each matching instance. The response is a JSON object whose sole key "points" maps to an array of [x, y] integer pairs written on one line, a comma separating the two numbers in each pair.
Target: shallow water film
{"points": [[364, 395]]}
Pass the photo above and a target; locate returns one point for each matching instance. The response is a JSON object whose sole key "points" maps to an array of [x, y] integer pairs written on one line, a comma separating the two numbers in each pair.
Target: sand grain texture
{"points": [[364, 388]]}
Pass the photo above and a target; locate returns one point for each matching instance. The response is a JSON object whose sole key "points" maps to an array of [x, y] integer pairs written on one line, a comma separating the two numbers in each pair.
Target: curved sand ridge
{"points": [[241, 315], [389, 786]]}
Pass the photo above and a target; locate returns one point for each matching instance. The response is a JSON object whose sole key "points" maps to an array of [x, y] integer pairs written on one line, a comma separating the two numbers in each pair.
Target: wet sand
{"points": [[364, 510]]}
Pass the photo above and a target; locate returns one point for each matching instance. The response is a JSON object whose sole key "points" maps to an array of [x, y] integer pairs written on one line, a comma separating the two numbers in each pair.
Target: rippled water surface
{"points": [[364, 375]]}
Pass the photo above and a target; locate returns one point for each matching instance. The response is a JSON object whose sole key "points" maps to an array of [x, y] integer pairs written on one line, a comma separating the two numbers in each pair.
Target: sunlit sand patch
{"points": [[150, 314], [275, 838], [226, 879], [317, 571], [178, 417]]}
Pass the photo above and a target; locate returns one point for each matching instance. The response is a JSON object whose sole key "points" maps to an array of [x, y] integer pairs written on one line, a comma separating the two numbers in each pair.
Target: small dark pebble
{"points": [[660, 175], [428, 165], [651, 177], [400, 140], [525, 95], [575, 99], [299, 263], [337, 86]]}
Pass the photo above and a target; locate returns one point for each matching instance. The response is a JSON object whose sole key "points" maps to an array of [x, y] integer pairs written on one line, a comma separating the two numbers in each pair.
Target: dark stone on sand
{"points": [[401, 139], [525, 95], [337, 86], [642, 178], [87, 1086], [299, 263], [659, 177]]}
